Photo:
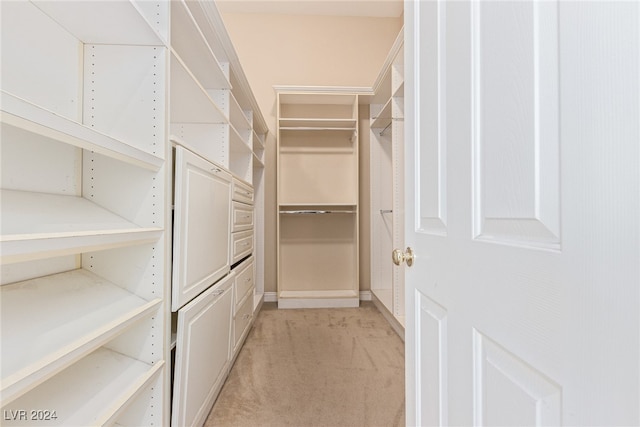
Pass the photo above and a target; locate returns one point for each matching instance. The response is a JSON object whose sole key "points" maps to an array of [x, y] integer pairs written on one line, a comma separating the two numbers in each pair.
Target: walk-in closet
{"points": [[151, 204]]}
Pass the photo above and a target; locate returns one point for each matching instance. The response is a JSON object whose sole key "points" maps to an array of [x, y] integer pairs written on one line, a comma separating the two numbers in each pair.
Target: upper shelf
{"points": [[383, 118], [189, 42], [32, 118], [104, 22], [62, 317], [316, 123], [40, 224], [190, 101]]}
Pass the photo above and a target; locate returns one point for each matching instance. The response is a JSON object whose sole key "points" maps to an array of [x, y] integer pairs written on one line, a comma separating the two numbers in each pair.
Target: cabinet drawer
{"points": [[242, 192], [241, 245], [244, 280], [242, 216], [242, 320]]}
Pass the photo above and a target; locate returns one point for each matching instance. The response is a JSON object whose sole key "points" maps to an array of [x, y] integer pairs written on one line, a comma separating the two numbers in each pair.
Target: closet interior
{"points": [[318, 201], [132, 208], [386, 107]]}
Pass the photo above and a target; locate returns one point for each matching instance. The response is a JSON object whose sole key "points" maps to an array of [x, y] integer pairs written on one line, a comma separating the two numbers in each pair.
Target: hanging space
{"points": [[387, 184], [317, 200]]}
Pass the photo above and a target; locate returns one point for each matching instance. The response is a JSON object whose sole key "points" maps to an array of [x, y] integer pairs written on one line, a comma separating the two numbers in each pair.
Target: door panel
{"points": [[202, 353], [432, 351], [510, 392], [515, 122], [522, 123], [202, 226], [432, 108]]}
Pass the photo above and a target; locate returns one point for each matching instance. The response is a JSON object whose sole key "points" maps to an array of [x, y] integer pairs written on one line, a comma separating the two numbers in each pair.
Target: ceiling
{"points": [[368, 8]]}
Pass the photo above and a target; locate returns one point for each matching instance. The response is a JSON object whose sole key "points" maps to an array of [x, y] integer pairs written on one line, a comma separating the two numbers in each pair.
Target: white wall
{"points": [[311, 51]]}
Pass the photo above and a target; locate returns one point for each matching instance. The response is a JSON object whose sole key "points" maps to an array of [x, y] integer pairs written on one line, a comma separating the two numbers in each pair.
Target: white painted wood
{"points": [[94, 391], [202, 226], [123, 94], [242, 192], [41, 61], [62, 318], [103, 23], [523, 309], [242, 216], [36, 225], [245, 276], [241, 322], [317, 299], [387, 195], [206, 140], [202, 353], [190, 102], [190, 44], [241, 245], [38, 121], [25, 163]]}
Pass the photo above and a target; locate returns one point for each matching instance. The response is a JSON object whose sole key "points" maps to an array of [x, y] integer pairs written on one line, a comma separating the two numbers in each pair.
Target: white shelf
{"points": [[61, 318], [399, 92], [37, 224], [190, 102], [306, 124], [94, 391], [384, 117], [237, 143], [109, 22], [385, 296], [317, 98], [258, 141], [188, 41], [32, 118], [237, 117], [257, 162]]}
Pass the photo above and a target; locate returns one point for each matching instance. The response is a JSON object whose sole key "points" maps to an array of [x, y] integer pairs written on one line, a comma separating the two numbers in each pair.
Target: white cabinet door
{"points": [[522, 208], [201, 226], [202, 353]]}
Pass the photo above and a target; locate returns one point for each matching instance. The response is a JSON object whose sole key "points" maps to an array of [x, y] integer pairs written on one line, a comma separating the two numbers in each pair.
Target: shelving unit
{"points": [[387, 183], [317, 200], [84, 215]]}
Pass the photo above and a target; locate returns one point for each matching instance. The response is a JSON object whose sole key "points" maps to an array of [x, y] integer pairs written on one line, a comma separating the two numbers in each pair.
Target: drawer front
{"points": [[242, 245], [202, 351], [242, 320], [242, 192], [242, 216], [244, 281]]}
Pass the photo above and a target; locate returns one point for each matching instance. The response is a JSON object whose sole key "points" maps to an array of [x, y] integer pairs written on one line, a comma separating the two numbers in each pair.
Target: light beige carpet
{"points": [[315, 367]]}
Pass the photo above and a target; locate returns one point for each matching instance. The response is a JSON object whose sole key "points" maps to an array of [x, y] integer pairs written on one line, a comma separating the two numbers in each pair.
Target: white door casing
{"points": [[523, 209]]}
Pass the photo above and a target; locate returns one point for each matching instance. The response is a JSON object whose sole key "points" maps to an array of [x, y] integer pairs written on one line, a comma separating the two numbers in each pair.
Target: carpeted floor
{"points": [[315, 367]]}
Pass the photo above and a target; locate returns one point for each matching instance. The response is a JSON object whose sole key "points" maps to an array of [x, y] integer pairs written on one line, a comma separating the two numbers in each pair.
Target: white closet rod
{"points": [[316, 212]]}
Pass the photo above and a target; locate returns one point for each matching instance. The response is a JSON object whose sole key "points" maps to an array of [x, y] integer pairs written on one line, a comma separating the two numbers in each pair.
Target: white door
{"points": [[522, 209]]}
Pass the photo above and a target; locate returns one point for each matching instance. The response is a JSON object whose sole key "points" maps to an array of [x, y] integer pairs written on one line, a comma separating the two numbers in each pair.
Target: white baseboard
{"points": [[273, 296], [270, 297]]}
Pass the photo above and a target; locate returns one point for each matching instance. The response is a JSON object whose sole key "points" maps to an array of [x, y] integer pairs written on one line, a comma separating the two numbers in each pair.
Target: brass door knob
{"points": [[399, 257]]}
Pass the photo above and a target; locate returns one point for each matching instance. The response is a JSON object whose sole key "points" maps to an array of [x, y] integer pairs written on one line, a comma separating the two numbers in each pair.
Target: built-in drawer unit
{"points": [[242, 216], [241, 245], [244, 281], [242, 192], [242, 321]]}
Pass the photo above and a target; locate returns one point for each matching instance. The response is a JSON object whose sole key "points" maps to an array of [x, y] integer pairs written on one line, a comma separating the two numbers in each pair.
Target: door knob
{"points": [[399, 257]]}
